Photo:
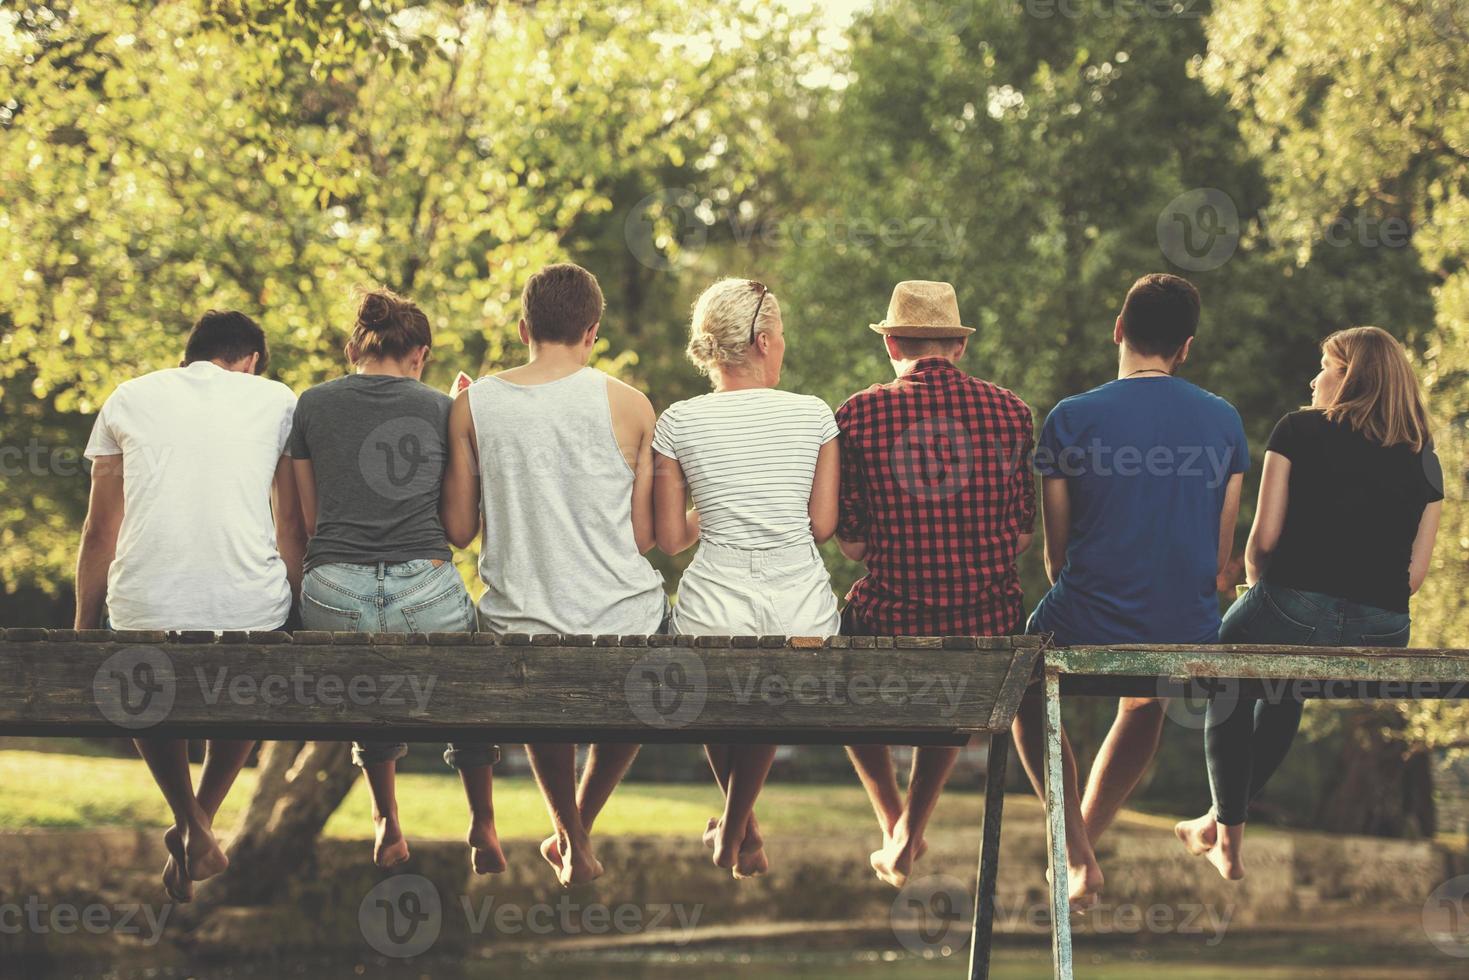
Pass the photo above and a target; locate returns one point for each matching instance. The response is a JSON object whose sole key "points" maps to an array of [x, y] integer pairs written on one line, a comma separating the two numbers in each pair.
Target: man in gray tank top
{"points": [[563, 454]]}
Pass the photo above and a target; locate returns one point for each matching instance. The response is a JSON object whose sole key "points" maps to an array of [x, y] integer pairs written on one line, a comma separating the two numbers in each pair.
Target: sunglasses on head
{"points": [[756, 318]]}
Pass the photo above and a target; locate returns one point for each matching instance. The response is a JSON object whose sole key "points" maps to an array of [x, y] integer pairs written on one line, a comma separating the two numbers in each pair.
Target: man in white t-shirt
{"points": [[194, 524]]}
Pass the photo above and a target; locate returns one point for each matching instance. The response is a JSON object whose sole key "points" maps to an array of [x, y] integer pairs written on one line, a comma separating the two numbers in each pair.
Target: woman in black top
{"points": [[1349, 507]]}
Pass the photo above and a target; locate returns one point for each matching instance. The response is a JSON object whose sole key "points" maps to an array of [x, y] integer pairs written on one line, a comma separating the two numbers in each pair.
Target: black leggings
{"points": [[1245, 740]]}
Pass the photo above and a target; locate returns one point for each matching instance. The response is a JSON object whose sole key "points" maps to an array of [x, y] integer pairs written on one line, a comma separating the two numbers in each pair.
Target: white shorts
{"points": [[776, 592]]}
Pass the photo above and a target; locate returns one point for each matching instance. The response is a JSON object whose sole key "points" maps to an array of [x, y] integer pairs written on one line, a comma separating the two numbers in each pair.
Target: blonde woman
{"points": [[1349, 507], [762, 468]]}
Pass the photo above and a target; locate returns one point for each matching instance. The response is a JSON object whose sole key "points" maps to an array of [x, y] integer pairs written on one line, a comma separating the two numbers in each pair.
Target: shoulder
{"points": [[1217, 403], [625, 398], [810, 404], [862, 402], [1079, 403], [1306, 420], [1001, 396]]}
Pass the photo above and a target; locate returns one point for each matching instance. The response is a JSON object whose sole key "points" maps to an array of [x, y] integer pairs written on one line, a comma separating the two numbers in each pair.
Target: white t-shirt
{"points": [[197, 550], [749, 458]]}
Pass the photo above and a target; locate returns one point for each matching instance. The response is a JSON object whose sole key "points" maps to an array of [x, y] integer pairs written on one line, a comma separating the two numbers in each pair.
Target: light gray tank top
{"points": [[558, 553]]}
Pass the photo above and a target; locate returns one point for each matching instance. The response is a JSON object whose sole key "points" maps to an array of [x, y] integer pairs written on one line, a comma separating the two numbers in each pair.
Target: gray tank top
{"points": [[558, 553]]}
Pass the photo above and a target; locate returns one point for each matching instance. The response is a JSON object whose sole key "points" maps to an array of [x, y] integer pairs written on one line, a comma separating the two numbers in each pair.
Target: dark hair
{"points": [[226, 335], [388, 326], [915, 347], [560, 303], [1160, 314]]}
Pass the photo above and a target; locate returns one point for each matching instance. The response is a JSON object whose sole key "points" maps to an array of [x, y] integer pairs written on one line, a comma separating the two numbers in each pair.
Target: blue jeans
{"points": [[420, 596], [1246, 739]]}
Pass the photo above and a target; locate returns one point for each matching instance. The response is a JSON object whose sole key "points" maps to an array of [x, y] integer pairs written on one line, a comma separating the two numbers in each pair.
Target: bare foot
{"points": [[574, 865], [176, 881], [203, 857], [485, 856], [1083, 883], [726, 846], [1226, 854], [752, 861], [893, 862], [1197, 835], [389, 849]]}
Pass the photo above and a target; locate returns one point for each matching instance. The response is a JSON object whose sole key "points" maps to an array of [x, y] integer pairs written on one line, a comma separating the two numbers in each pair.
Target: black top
{"points": [[1353, 513]]}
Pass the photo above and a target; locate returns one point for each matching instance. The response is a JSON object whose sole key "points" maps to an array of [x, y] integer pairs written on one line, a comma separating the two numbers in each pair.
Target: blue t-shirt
{"points": [[1147, 463]]}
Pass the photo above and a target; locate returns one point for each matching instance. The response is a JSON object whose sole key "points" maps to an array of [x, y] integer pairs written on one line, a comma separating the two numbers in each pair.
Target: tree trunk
{"points": [[1384, 787], [300, 786]]}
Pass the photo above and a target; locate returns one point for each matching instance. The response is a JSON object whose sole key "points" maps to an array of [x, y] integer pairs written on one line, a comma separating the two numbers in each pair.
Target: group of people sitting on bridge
{"points": [[222, 501]]}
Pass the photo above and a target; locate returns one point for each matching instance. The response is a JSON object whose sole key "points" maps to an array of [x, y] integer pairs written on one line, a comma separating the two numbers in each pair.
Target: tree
{"points": [[162, 159], [1360, 109]]}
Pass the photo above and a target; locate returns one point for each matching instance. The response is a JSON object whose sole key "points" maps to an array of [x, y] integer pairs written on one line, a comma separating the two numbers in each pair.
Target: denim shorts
{"points": [[776, 592], [1275, 614], [419, 596]]}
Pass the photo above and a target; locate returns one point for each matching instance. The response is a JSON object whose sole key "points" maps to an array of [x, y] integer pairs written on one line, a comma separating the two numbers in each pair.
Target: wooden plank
{"points": [[1238, 661], [1056, 831], [981, 937], [315, 687]]}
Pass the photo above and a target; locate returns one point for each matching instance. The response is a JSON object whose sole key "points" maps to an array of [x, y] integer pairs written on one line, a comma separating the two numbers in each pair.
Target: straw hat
{"points": [[923, 309]]}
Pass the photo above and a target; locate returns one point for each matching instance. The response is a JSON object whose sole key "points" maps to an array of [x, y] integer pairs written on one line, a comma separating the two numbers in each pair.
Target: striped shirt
{"points": [[749, 458]]}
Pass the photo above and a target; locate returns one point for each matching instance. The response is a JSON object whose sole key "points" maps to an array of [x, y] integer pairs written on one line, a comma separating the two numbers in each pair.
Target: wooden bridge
{"points": [[515, 688]]}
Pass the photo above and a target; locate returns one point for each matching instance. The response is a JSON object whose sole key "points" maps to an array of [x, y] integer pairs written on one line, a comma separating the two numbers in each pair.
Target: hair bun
{"points": [[376, 311]]}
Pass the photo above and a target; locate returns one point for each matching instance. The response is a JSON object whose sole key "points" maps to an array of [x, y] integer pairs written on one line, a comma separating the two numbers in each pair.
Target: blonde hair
{"points": [[720, 328], [1379, 395]]}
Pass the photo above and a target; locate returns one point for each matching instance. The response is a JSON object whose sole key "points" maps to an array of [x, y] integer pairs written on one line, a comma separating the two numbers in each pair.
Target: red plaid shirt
{"points": [[936, 480]]}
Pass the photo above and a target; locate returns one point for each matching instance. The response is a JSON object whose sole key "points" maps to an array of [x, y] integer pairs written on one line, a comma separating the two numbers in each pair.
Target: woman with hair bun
{"points": [[369, 451], [1350, 499], [761, 466]]}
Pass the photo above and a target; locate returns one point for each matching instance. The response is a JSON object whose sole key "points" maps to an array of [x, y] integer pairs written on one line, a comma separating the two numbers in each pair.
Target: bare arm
{"points": [[855, 550], [643, 528], [306, 490], [1056, 518], [1228, 520], [1423, 545], [1269, 516], [99, 541], [290, 528], [459, 503], [825, 492], [676, 528], [1026, 540]]}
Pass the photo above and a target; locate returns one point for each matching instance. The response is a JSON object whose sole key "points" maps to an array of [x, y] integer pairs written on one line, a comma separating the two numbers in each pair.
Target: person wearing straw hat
{"points": [[938, 500]]}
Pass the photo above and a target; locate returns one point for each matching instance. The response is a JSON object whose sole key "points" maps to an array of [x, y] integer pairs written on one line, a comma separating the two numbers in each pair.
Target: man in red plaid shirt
{"points": [[938, 500]]}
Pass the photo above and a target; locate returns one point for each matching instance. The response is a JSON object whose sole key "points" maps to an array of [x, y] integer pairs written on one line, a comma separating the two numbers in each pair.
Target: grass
{"points": [[46, 790]]}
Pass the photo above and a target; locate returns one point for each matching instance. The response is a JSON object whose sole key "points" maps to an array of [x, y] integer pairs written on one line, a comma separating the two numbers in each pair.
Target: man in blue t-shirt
{"points": [[1141, 489]]}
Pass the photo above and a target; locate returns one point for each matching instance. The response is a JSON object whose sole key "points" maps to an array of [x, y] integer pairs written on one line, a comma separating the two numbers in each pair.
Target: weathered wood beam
{"points": [[461, 686], [1330, 673]]}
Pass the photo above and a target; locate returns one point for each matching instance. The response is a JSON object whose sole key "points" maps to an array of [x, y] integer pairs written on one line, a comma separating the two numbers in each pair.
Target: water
{"points": [[1266, 958]]}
